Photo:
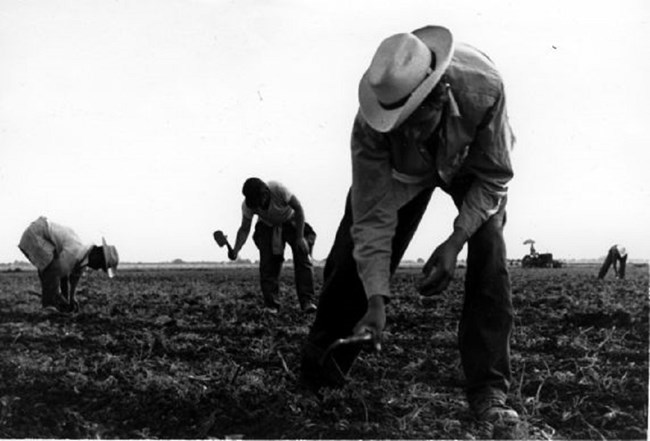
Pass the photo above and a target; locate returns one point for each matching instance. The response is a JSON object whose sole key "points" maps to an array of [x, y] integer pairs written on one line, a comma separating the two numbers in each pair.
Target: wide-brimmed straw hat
{"points": [[401, 75], [110, 257]]}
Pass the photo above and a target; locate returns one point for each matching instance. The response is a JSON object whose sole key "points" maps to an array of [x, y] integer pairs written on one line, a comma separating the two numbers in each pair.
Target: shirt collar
{"points": [[83, 262]]}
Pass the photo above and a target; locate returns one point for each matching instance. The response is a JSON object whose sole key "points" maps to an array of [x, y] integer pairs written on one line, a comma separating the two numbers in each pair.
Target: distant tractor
{"points": [[544, 260], [538, 260]]}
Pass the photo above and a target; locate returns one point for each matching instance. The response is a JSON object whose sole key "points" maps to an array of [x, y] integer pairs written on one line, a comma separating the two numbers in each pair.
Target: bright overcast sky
{"points": [[140, 120]]}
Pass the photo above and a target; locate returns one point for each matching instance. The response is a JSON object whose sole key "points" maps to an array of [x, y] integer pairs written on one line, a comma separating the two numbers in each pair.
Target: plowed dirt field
{"points": [[190, 353]]}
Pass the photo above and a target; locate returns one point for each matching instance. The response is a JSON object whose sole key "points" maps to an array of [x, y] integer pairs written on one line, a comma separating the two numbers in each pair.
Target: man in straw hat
{"points": [[616, 257], [281, 219], [60, 257], [432, 114]]}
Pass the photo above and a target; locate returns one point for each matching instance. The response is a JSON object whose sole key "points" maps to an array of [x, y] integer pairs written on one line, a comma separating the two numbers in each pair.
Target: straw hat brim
{"points": [[110, 257], [440, 41]]}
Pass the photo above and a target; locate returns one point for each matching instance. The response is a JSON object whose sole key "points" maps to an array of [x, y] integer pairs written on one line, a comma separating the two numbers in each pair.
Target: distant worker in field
{"points": [[616, 257], [60, 258], [431, 115], [281, 220]]}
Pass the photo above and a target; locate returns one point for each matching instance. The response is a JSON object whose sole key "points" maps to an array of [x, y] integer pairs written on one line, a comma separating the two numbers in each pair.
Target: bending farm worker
{"points": [[432, 115], [616, 257], [281, 220], [60, 258]]}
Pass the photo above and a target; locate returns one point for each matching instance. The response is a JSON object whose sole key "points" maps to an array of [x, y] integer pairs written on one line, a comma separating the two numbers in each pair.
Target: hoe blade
{"points": [[220, 238]]}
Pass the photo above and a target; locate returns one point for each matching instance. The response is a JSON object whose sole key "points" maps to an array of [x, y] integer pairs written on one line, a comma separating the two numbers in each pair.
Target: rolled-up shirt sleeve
{"points": [[489, 163], [375, 198]]}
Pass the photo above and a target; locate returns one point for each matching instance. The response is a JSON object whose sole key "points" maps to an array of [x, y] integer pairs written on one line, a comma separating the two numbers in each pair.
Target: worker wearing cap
{"points": [[432, 114], [281, 219], [60, 258], [616, 257]]}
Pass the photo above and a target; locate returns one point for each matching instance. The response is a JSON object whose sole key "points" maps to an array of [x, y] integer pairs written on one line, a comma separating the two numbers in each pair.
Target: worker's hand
{"points": [[232, 254], [302, 245], [439, 269], [374, 321]]}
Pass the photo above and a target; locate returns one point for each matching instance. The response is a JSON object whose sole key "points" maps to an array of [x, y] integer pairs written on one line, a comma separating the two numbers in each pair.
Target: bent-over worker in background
{"points": [[281, 219], [60, 258], [616, 257]]}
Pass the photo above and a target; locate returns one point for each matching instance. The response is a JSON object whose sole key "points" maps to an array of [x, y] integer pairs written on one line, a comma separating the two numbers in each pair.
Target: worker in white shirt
{"points": [[60, 258], [281, 219]]}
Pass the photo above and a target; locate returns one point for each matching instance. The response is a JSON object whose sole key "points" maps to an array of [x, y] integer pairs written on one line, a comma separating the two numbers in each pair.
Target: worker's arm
{"points": [[299, 220], [242, 236], [74, 281]]}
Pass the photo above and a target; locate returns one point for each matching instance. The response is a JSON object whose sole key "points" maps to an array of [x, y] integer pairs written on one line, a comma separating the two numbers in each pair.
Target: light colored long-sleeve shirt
{"points": [[389, 169], [45, 240]]}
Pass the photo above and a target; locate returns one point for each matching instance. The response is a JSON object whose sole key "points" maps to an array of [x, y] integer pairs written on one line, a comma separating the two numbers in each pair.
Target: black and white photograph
{"points": [[297, 219]]}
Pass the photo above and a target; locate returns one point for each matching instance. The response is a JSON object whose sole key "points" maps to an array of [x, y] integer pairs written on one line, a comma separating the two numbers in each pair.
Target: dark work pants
{"points": [[487, 317], [271, 265], [52, 285]]}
